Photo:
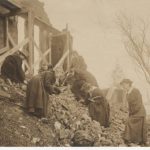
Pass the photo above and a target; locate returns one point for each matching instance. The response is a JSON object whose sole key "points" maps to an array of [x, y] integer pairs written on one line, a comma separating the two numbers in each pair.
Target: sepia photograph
{"points": [[75, 73]]}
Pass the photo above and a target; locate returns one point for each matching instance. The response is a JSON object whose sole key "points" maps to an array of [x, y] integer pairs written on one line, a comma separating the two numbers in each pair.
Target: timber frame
{"points": [[28, 44]]}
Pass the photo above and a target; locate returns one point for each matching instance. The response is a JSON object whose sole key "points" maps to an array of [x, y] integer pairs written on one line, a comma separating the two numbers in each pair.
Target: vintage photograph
{"points": [[74, 73]]}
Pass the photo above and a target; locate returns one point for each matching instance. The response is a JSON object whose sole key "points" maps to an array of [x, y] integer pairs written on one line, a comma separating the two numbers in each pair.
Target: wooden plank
{"points": [[3, 10], [14, 44], [50, 45], [68, 49], [61, 60], [15, 3], [46, 53], [11, 39], [42, 58], [39, 20], [7, 42], [37, 47], [60, 34], [3, 50], [14, 49], [31, 39], [41, 54]]}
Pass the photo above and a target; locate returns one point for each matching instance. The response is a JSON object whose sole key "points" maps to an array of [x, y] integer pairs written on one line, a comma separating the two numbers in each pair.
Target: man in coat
{"points": [[136, 130], [12, 67]]}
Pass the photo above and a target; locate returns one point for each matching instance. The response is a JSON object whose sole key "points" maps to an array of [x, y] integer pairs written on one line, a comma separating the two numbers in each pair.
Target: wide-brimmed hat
{"points": [[128, 81]]}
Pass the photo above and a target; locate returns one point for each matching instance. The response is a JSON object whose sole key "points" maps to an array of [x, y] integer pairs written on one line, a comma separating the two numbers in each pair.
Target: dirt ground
{"points": [[67, 119]]}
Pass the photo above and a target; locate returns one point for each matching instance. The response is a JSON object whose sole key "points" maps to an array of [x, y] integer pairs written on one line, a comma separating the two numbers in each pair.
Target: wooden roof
{"points": [[35, 5]]}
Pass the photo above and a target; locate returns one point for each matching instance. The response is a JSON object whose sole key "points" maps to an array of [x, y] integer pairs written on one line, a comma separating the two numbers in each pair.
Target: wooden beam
{"points": [[11, 39], [7, 42], [31, 39], [46, 53], [37, 47], [14, 44], [4, 10], [43, 56], [14, 49], [3, 50], [68, 49], [50, 46], [41, 21], [61, 60], [60, 34]]}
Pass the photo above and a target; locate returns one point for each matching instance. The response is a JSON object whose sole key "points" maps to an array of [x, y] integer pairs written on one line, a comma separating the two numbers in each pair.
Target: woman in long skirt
{"points": [[136, 130]]}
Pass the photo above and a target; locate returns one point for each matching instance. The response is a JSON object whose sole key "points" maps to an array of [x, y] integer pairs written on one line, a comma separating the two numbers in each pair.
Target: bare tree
{"points": [[136, 41]]}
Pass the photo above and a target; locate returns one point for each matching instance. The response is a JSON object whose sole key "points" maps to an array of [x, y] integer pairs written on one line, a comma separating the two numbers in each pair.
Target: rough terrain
{"points": [[68, 122]]}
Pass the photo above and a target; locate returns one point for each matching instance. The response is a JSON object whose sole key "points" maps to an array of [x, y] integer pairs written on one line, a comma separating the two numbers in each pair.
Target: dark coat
{"points": [[38, 89], [99, 108], [12, 69], [86, 76], [136, 130], [81, 77]]}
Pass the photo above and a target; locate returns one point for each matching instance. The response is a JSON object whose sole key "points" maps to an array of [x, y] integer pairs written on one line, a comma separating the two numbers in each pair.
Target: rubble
{"points": [[68, 123], [71, 118]]}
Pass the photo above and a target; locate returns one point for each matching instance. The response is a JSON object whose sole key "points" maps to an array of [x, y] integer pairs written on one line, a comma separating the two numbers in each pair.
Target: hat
{"points": [[128, 81]]}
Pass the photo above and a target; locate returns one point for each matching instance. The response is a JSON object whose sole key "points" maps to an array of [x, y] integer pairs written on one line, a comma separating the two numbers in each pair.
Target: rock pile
{"points": [[73, 126], [69, 120]]}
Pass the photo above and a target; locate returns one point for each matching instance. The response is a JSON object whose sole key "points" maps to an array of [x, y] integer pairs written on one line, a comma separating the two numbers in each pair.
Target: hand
{"points": [[25, 82]]}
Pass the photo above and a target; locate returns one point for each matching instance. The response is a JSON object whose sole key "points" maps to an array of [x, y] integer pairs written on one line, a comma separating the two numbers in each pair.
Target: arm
{"points": [[48, 77], [49, 80], [136, 103]]}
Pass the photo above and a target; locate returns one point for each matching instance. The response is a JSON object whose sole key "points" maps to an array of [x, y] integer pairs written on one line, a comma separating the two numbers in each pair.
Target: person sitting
{"points": [[12, 67], [38, 90]]}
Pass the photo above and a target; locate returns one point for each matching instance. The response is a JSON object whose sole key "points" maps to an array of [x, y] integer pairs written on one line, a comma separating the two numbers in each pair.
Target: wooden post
{"points": [[7, 42], [31, 40], [68, 48], [50, 44]]}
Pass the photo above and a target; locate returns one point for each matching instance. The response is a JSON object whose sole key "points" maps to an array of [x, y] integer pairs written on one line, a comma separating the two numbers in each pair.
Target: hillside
{"points": [[68, 122]]}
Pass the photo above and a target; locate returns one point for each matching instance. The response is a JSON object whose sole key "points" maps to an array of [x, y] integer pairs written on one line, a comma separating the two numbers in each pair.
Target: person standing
{"points": [[135, 130]]}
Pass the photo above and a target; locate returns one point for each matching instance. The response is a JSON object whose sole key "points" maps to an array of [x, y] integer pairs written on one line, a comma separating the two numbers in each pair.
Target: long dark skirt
{"points": [[36, 96], [99, 112], [136, 130]]}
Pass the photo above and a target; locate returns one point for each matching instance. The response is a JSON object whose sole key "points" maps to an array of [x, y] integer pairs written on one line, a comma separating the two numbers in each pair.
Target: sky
{"points": [[96, 35]]}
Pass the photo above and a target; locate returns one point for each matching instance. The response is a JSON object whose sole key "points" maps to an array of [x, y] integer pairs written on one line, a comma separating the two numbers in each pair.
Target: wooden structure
{"points": [[32, 11]]}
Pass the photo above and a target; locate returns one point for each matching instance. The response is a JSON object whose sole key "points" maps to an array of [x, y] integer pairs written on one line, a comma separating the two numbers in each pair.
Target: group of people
{"points": [[84, 86]]}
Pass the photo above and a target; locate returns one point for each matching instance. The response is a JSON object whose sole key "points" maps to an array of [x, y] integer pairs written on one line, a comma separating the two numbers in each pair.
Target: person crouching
{"points": [[97, 104]]}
